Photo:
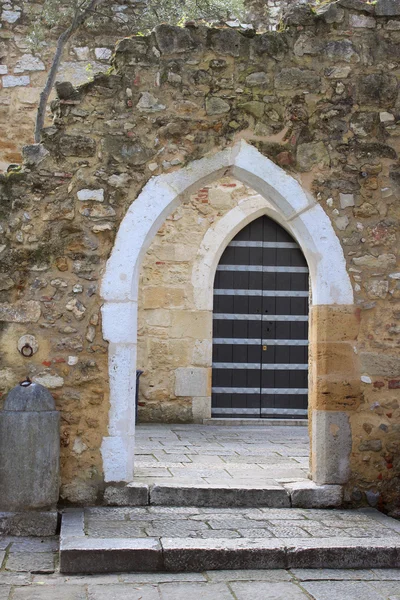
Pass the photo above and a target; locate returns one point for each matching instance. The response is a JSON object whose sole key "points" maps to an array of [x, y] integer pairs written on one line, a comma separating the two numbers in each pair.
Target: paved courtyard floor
{"points": [[218, 454], [29, 572]]}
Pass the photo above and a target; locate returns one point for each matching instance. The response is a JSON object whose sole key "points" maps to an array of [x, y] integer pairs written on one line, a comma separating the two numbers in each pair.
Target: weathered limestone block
{"points": [[10, 81], [77, 145], [271, 45], [342, 50], [383, 261], [34, 153], [28, 62], [310, 154], [149, 103], [387, 8], [331, 447], [192, 381], [383, 365], [20, 312], [175, 40], [229, 41], [254, 108], [216, 106], [378, 89], [201, 409], [293, 78]]}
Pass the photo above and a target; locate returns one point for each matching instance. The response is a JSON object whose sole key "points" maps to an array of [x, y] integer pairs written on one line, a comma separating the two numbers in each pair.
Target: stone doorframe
{"points": [[281, 198]]}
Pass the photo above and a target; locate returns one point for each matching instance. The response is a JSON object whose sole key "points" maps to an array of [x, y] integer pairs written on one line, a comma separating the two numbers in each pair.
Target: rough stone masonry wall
{"points": [[321, 99], [23, 70]]}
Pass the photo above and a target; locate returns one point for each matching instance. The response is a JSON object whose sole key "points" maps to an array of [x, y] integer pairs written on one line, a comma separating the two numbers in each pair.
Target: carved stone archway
{"points": [[283, 199]]}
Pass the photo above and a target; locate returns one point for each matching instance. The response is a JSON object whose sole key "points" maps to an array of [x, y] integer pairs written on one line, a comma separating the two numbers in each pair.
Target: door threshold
{"points": [[267, 422]]}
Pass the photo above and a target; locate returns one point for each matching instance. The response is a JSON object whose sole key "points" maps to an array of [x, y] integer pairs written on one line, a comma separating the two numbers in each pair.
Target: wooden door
{"points": [[260, 326]]}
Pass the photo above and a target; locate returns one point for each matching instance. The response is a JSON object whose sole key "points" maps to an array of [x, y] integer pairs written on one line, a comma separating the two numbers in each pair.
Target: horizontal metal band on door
{"points": [[262, 269], [265, 367], [249, 244], [264, 411], [257, 390], [267, 317], [257, 341], [263, 293]]}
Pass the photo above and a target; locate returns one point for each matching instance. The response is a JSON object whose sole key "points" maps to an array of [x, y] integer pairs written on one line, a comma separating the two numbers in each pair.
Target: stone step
{"points": [[303, 494], [193, 539], [251, 422]]}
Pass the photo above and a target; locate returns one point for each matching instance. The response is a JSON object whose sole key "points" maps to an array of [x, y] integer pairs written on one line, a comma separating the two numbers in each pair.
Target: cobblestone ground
{"points": [[194, 522], [29, 572], [198, 454]]}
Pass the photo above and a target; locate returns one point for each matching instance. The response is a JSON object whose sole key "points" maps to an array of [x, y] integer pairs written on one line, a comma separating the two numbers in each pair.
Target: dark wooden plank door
{"points": [[260, 326]]}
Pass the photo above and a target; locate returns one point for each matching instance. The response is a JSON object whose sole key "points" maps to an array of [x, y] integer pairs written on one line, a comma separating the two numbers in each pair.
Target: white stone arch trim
{"points": [[312, 230], [290, 205]]}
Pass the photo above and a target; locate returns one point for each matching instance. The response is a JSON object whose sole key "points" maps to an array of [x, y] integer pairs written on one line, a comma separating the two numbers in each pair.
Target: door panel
{"points": [[260, 330]]}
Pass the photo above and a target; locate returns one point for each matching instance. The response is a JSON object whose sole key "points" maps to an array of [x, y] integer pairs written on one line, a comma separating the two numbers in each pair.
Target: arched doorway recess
{"points": [[260, 326], [283, 199]]}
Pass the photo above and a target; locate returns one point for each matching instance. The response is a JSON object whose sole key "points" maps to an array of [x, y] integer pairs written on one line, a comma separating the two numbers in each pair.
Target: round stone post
{"points": [[29, 461]]}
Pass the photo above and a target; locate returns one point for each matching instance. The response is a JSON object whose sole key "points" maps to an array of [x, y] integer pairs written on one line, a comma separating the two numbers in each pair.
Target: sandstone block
{"points": [[163, 297], [334, 323], [334, 357], [334, 394], [195, 324], [191, 381]]}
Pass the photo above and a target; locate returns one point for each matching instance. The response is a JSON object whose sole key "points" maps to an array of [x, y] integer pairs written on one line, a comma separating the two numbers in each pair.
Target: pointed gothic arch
{"points": [[283, 199]]}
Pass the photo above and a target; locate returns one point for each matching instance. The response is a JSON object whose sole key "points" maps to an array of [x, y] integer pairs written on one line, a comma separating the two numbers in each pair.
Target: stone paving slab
{"points": [[196, 453], [100, 540], [279, 584]]}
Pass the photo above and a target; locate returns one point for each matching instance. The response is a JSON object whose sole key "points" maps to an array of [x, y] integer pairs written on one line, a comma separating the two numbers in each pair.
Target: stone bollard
{"points": [[29, 461]]}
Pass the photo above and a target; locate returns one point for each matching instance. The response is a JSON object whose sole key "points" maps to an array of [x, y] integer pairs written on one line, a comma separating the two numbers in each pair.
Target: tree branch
{"points": [[79, 19]]}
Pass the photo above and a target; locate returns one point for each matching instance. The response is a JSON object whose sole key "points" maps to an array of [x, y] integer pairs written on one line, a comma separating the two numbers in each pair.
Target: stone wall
{"points": [[321, 100], [174, 338], [23, 70]]}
